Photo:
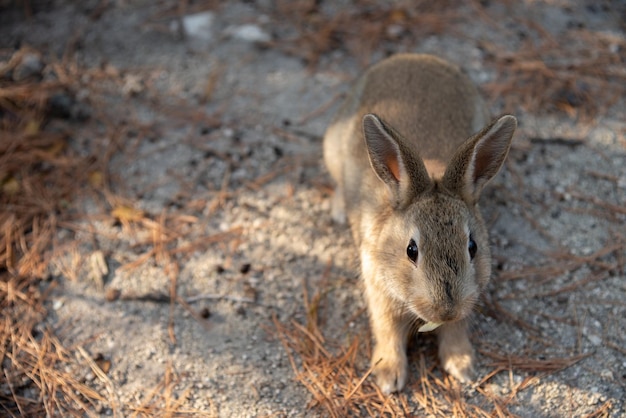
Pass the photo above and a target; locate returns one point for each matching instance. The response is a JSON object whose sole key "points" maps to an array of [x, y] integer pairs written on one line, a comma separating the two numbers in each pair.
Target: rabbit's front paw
{"points": [[338, 207], [390, 370], [459, 365], [455, 351]]}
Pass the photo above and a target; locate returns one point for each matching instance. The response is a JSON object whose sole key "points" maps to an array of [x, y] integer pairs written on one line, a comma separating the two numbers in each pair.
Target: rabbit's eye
{"points": [[472, 247], [411, 251]]}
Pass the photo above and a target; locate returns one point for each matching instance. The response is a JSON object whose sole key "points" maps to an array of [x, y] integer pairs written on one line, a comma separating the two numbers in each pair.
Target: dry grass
{"points": [[361, 27], [574, 80], [35, 366], [332, 370], [42, 176], [534, 72], [167, 400]]}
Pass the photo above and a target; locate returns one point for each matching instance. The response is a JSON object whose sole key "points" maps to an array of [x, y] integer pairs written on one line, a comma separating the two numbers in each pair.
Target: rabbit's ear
{"points": [[479, 159], [404, 174]]}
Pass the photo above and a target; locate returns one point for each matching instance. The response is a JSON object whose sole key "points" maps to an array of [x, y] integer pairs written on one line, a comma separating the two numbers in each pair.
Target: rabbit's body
{"points": [[408, 180]]}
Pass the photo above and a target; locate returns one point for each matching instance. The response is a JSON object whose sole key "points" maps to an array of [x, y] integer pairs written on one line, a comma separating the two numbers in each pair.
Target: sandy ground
{"points": [[219, 136]]}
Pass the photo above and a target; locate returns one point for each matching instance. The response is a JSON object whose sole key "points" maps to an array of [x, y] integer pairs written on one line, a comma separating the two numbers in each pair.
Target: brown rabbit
{"points": [[409, 168]]}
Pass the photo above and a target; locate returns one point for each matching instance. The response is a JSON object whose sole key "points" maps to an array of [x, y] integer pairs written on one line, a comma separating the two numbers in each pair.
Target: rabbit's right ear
{"points": [[404, 174]]}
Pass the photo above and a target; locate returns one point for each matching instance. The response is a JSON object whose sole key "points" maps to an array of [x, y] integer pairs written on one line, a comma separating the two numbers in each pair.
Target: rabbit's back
{"points": [[427, 100]]}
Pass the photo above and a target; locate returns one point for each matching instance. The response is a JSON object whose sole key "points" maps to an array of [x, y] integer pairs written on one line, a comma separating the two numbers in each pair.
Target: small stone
{"points": [[198, 25], [395, 31], [30, 65], [60, 106], [112, 294], [133, 85], [562, 299], [586, 251], [606, 374], [594, 339], [249, 33], [205, 313]]}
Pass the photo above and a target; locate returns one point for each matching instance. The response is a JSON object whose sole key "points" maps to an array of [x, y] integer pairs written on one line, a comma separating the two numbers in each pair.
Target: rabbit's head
{"points": [[429, 247]]}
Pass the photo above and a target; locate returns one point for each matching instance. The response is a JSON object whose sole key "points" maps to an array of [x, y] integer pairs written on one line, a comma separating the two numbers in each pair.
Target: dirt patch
{"points": [[167, 248]]}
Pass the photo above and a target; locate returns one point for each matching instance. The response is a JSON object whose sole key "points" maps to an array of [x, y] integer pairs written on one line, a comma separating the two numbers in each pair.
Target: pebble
{"points": [[133, 85], [198, 25], [249, 33], [57, 304], [395, 31], [112, 294], [30, 65], [60, 106], [606, 374], [594, 339]]}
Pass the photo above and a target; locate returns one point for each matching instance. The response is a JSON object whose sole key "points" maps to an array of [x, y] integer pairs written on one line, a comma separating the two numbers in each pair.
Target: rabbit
{"points": [[410, 151]]}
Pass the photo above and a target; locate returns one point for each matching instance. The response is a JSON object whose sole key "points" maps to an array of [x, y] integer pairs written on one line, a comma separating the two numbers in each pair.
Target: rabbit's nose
{"points": [[447, 310], [448, 315]]}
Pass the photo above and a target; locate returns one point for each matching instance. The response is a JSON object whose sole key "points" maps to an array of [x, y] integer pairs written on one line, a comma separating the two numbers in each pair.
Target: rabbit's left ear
{"points": [[479, 159]]}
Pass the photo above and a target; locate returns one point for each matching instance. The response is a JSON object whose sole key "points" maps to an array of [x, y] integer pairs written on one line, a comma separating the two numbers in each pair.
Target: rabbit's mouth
{"points": [[429, 316]]}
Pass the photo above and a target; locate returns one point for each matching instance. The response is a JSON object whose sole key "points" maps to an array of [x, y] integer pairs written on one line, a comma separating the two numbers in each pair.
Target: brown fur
{"points": [[407, 167]]}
